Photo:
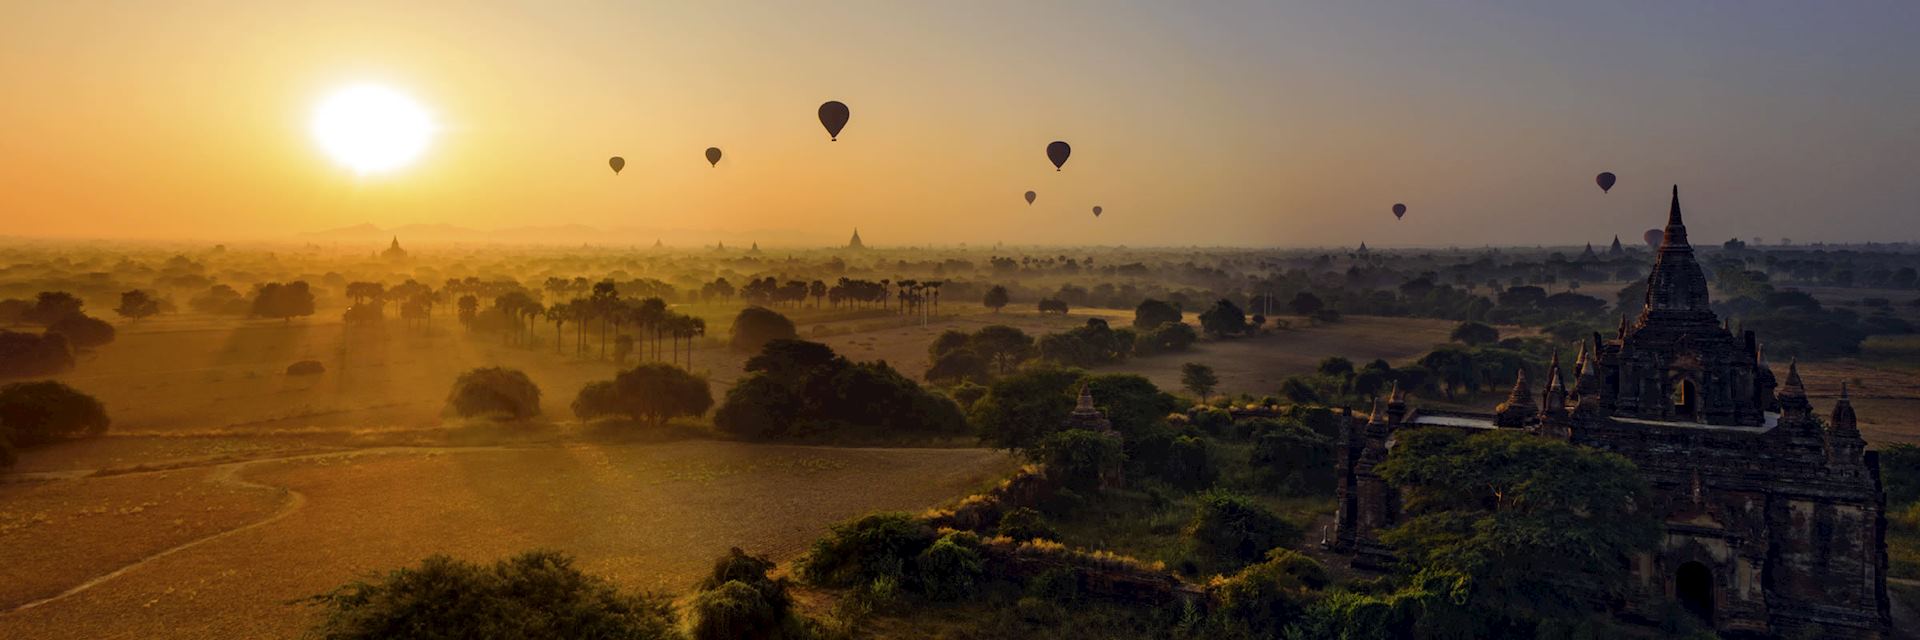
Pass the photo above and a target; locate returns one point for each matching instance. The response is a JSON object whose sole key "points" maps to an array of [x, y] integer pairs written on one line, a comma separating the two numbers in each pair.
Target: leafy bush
{"points": [[1080, 459], [535, 595], [494, 392], [1026, 524], [1188, 464], [755, 326], [738, 600], [1293, 458], [306, 368], [1230, 527], [35, 413], [653, 392], [951, 569], [1265, 598], [1900, 466], [858, 551]]}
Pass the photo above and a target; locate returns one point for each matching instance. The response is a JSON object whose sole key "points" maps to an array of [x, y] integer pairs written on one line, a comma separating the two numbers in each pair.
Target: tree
{"points": [[494, 392], [1199, 379], [755, 326], [25, 354], [538, 595], [1002, 345], [469, 306], [1023, 408], [35, 413], [52, 306], [1053, 305], [137, 304], [654, 393], [1152, 313], [1474, 334], [283, 301], [961, 365], [1079, 458], [996, 298], [1224, 319], [1517, 525], [83, 331], [1306, 304]]}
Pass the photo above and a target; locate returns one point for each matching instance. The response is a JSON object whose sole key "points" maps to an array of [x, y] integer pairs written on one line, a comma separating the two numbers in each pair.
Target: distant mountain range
{"points": [[568, 234]]}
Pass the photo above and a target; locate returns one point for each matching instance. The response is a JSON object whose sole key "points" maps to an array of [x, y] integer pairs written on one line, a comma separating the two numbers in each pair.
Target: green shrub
{"points": [[736, 610], [1212, 420], [535, 595], [1264, 598], [494, 392], [1230, 527], [1060, 584], [951, 569], [1293, 459], [1189, 464], [1026, 524], [857, 551], [1078, 458]]}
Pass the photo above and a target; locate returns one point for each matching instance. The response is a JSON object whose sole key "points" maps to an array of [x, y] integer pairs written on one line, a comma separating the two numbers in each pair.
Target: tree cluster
{"points": [[796, 388]]}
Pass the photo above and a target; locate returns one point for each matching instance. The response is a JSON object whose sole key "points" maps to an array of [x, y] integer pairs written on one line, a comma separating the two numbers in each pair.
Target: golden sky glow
{"points": [[1231, 123]]}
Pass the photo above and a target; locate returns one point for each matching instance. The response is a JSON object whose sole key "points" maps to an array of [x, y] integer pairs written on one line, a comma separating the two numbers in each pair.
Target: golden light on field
{"points": [[372, 129]]}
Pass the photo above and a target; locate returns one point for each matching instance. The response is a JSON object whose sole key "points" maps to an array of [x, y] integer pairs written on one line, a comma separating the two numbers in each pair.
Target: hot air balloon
{"points": [[1096, 211], [713, 156], [1654, 237], [833, 116], [1399, 211], [1030, 196], [1605, 180], [1058, 151], [617, 163]]}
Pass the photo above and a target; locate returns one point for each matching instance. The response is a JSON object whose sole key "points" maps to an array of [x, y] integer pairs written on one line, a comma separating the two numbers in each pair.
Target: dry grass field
{"points": [[649, 516]]}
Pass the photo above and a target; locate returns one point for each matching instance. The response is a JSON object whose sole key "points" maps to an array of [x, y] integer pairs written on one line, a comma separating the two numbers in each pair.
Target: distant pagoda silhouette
{"points": [[855, 242], [394, 252]]}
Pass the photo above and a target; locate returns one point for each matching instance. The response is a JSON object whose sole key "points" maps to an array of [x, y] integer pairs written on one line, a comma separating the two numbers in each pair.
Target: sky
{"points": [[1193, 123]]}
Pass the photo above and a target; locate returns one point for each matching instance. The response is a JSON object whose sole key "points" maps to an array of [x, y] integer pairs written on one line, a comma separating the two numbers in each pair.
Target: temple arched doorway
{"points": [[1693, 587], [1686, 400]]}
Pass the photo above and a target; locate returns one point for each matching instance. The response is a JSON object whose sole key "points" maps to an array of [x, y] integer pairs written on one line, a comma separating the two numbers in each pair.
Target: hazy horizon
{"points": [[1225, 124]]}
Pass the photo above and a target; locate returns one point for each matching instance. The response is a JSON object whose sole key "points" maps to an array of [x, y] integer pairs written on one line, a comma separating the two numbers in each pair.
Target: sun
{"points": [[372, 129]]}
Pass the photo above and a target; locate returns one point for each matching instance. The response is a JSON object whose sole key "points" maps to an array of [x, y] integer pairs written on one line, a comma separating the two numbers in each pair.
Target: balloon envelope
{"points": [[1096, 212], [1654, 237], [1058, 151], [1399, 211], [833, 116], [713, 156], [1030, 196], [617, 163], [1605, 180]]}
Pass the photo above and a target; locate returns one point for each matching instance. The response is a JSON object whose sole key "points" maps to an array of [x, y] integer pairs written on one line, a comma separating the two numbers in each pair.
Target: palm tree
{"points": [[698, 329], [935, 286], [532, 311], [559, 314]]}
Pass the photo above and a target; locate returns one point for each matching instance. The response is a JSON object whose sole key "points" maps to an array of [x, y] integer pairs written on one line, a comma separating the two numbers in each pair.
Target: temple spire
{"points": [[1793, 395], [1843, 418], [1677, 285]]}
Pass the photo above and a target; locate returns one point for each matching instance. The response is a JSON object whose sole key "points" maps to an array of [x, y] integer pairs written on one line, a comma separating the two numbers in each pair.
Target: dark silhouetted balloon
{"points": [[1605, 180], [1399, 211], [617, 163], [1030, 196], [1096, 212], [713, 156], [833, 116], [1654, 237], [1058, 151]]}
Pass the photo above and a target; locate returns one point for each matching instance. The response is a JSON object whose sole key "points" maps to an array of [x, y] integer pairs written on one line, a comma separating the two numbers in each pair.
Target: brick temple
{"points": [[1773, 517]]}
